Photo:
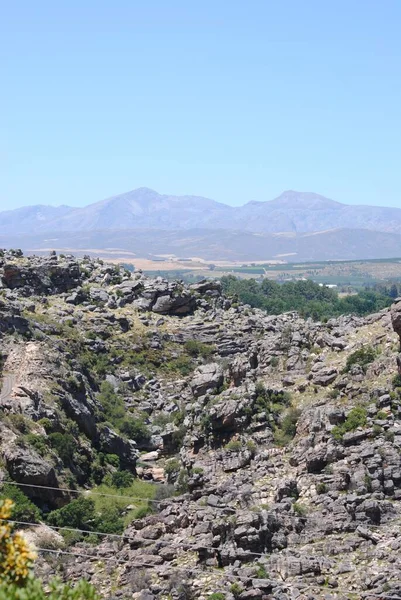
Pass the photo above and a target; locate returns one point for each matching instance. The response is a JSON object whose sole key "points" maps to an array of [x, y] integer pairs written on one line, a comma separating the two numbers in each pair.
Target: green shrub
{"points": [[82, 514], [163, 492], [261, 572], [46, 424], [172, 467], [34, 590], [64, 444], [357, 417], [142, 511], [78, 514], [321, 488], [195, 348], [377, 430], [20, 423], [38, 442], [113, 460], [289, 422], [122, 479], [362, 357], [381, 415], [217, 596], [112, 403], [182, 482], [251, 446], [299, 509], [389, 436], [368, 483], [396, 381], [236, 589], [135, 429], [234, 446], [182, 364], [287, 428], [24, 509]]}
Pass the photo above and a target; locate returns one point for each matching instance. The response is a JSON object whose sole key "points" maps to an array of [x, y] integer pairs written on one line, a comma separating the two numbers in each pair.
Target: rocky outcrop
{"points": [[282, 460]]}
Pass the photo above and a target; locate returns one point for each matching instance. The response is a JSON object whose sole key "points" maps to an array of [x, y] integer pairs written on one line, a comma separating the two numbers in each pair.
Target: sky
{"points": [[227, 99]]}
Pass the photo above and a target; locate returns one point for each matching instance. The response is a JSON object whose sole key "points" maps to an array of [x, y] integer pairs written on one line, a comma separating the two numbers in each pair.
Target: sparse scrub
{"points": [[357, 417], [362, 357], [195, 348]]}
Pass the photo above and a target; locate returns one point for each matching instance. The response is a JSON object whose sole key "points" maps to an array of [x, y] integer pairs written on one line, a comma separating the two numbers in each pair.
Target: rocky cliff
{"points": [[271, 444]]}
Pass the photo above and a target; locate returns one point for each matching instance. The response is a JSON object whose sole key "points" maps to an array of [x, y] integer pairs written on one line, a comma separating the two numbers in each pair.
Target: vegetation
{"points": [[362, 357], [195, 348], [306, 297], [287, 427], [299, 509], [114, 412], [23, 508], [105, 511], [357, 417], [16, 559]]}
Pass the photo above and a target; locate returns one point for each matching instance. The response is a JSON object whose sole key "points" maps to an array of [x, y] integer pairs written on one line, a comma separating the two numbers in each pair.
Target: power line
{"points": [[141, 499], [126, 538], [159, 542], [205, 572], [86, 492]]}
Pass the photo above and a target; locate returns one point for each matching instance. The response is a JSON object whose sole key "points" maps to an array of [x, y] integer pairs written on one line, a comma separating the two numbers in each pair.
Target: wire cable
{"points": [[209, 572]]}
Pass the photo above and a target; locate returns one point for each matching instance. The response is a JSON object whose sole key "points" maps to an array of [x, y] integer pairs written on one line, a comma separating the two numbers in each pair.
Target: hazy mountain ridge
{"points": [[300, 212]]}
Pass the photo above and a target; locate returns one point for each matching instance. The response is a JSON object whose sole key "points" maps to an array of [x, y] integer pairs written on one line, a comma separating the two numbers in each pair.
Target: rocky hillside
{"points": [[223, 453]]}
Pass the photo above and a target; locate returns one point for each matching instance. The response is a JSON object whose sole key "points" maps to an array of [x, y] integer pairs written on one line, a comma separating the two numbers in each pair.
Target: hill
{"points": [[167, 441], [296, 212]]}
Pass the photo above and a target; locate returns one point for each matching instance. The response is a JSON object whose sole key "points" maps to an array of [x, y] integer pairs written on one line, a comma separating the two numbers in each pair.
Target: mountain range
{"points": [[146, 221]]}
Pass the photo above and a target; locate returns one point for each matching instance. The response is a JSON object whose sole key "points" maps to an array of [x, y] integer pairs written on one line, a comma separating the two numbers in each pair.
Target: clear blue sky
{"points": [[228, 99]]}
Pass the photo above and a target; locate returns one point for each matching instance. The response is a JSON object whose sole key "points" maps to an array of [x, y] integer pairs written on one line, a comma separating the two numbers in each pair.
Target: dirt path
{"points": [[7, 387]]}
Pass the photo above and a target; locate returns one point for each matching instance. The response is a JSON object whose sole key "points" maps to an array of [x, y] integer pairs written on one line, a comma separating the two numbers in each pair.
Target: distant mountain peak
{"points": [[305, 200]]}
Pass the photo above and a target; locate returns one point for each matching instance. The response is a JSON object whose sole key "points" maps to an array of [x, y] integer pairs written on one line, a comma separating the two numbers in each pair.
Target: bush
{"points": [[64, 444], [287, 429], [396, 382], [172, 467], [135, 429], [236, 589], [78, 514], [163, 491], [81, 514], [24, 509], [299, 509], [142, 511], [357, 417], [362, 357], [17, 580], [122, 479], [20, 423], [233, 446], [321, 488], [38, 442], [261, 572], [34, 590], [289, 422], [195, 348]]}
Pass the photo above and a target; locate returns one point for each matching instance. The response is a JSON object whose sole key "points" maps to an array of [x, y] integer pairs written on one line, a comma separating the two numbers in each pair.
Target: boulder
{"points": [[206, 379]]}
